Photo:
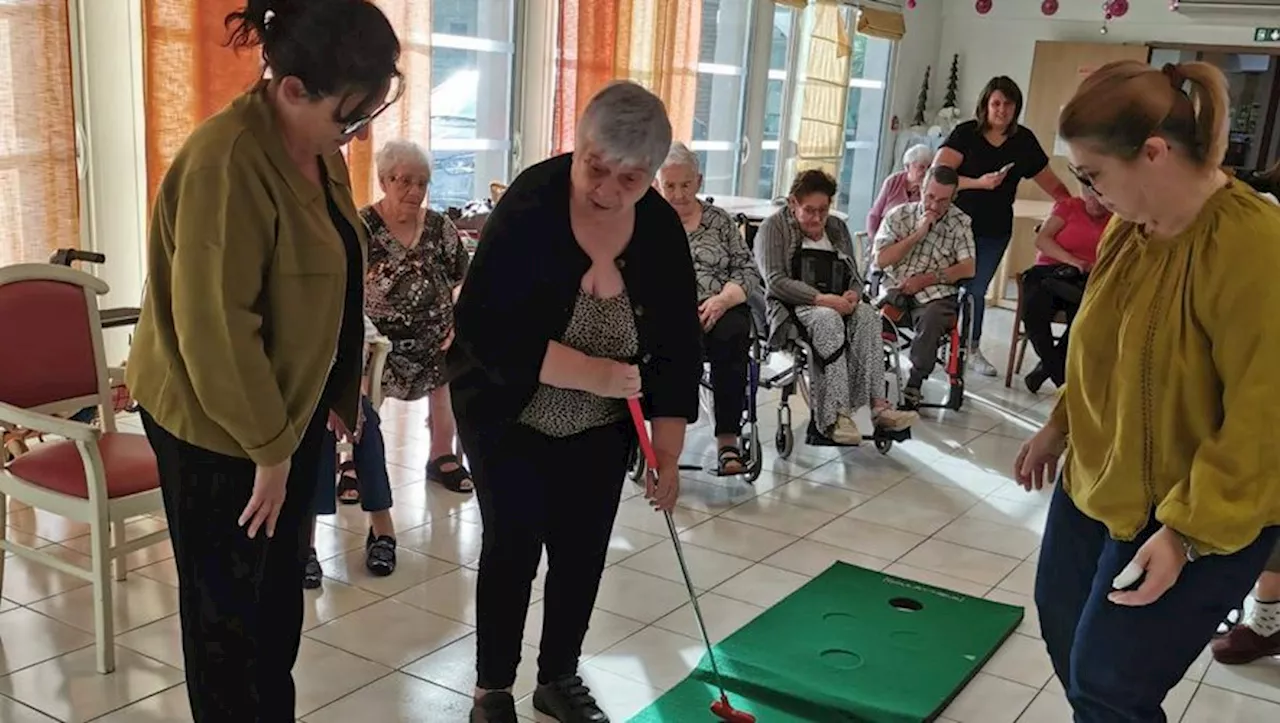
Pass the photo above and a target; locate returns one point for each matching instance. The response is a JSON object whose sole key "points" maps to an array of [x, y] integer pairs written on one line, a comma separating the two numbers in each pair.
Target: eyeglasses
{"points": [[353, 126], [1084, 178]]}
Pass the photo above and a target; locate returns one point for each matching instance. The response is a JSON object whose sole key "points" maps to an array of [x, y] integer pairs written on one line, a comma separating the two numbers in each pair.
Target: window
{"points": [[39, 179], [864, 120], [772, 36], [472, 65], [717, 119]]}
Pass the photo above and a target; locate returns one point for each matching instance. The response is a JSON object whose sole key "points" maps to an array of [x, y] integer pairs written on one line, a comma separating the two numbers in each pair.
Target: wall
{"points": [[1003, 41]]}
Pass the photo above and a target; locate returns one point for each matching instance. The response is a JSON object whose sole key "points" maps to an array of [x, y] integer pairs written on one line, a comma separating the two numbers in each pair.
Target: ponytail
{"points": [[1210, 101], [255, 23]]}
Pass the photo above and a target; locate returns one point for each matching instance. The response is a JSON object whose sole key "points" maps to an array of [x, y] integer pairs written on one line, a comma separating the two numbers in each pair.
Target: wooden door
{"points": [[1056, 72]]}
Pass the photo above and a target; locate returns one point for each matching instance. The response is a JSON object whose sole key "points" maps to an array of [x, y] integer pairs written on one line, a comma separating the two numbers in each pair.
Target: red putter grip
{"points": [[646, 445]]}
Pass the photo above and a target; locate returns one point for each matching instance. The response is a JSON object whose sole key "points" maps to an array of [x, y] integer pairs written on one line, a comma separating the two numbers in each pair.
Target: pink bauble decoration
{"points": [[911, 4], [1049, 7], [982, 6], [1117, 8]]}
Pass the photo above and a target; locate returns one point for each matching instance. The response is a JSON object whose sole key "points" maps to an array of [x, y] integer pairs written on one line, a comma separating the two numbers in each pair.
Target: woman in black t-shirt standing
{"points": [[992, 153]]}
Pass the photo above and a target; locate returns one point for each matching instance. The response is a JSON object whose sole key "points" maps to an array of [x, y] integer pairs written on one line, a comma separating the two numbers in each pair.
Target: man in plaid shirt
{"points": [[925, 249]]}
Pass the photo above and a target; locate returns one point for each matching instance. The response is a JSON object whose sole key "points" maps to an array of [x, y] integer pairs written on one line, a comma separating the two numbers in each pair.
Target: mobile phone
{"points": [[1007, 167]]}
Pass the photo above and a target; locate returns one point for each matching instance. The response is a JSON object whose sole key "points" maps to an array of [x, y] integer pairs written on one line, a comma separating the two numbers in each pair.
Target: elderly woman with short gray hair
{"points": [[727, 277], [581, 296], [901, 187], [416, 265]]}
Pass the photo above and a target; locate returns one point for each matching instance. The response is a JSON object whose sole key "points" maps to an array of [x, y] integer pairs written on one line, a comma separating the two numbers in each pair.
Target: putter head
{"points": [[725, 712]]}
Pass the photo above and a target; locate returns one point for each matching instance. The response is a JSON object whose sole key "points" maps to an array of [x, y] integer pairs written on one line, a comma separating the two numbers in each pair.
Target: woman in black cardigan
{"points": [[581, 295]]}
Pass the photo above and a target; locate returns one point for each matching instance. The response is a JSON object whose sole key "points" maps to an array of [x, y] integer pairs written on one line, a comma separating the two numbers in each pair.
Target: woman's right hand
{"points": [[1037, 461], [841, 305], [268, 498], [615, 380], [991, 181]]}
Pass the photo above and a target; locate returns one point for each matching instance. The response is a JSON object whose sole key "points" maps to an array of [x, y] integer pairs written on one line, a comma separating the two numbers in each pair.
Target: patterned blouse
{"points": [[409, 297], [599, 328], [720, 255]]}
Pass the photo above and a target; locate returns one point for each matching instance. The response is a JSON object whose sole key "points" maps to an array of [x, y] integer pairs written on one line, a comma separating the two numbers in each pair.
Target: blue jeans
{"points": [[989, 251], [370, 455], [1118, 663]]}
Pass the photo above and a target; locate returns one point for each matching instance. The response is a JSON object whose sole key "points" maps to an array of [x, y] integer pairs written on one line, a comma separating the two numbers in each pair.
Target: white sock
{"points": [[1264, 619]]}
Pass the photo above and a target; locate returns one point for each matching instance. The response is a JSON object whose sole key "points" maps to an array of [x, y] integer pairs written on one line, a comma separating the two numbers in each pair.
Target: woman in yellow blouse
{"points": [[1169, 499]]}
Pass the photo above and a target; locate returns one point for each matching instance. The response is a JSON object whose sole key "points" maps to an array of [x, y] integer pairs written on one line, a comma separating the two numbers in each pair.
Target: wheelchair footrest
{"points": [[813, 439], [897, 435]]}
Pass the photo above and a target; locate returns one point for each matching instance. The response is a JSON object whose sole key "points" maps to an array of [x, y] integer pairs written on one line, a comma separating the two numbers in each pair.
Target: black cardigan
{"points": [[520, 292]]}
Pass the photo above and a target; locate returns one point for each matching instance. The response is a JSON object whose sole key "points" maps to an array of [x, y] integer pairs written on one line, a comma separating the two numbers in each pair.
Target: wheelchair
{"points": [[793, 379], [750, 447], [953, 348]]}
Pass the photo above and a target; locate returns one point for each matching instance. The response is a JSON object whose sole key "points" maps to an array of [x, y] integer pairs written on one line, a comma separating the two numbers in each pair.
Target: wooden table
{"points": [[1021, 253]]}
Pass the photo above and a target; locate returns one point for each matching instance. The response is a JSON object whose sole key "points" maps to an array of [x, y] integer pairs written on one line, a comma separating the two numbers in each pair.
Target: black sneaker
{"points": [[312, 574], [568, 700], [495, 707], [911, 398], [380, 554]]}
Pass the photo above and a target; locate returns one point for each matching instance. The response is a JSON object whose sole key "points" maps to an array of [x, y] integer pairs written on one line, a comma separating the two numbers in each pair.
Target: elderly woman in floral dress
{"points": [[416, 266]]}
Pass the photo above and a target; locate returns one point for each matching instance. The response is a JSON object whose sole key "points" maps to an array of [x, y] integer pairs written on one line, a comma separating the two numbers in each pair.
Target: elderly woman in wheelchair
{"points": [[925, 250], [727, 277], [815, 292]]}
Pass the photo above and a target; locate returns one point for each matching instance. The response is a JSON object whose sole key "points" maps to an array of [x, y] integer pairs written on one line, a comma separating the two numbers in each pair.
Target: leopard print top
{"points": [[601, 328]]}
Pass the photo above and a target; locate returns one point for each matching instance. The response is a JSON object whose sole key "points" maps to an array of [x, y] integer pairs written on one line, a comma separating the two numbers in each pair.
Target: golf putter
{"points": [[722, 708]]}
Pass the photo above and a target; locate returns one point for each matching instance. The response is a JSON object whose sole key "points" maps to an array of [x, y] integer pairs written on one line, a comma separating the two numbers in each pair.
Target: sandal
{"points": [[312, 574], [348, 484], [457, 479], [730, 460], [380, 554]]}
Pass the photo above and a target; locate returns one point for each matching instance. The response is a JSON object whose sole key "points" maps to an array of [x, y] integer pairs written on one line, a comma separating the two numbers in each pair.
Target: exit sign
{"points": [[1266, 35]]}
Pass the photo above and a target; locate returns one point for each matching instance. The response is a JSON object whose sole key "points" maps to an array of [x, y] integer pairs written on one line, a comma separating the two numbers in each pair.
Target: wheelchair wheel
{"points": [[883, 445], [785, 441], [636, 467]]}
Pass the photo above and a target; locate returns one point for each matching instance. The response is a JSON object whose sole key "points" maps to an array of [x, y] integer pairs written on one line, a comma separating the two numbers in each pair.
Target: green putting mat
{"points": [[851, 645]]}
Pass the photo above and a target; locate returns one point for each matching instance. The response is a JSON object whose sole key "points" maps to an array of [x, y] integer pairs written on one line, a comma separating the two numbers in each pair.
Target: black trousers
{"points": [[536, 490], [240, 599], [1039, 306], [727, 345]]}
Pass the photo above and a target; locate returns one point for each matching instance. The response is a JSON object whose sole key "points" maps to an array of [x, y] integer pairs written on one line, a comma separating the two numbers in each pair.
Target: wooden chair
{"points": [[51, 364], [1018, 342]]}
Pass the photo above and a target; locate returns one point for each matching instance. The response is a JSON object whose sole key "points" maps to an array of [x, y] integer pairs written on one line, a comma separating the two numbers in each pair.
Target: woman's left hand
{"points": [[1160, 560], [711, 310], [448, 340], [662, 488]]}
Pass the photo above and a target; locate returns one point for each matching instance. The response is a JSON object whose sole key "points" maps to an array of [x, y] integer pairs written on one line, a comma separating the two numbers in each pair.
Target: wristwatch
{"points": [[1188, 547]]}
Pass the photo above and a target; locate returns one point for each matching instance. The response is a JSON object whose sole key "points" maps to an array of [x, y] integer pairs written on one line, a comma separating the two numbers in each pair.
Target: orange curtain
{"points": [[189, 74], [653, 42], [410, 118], [39, 182]]}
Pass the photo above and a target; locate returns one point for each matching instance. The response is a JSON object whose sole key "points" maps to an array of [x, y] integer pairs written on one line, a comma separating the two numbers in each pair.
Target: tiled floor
{"points": [[939, 509]]}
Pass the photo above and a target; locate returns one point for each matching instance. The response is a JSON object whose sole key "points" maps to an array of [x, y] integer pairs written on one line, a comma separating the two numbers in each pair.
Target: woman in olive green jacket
{"points": [[250, 338]]}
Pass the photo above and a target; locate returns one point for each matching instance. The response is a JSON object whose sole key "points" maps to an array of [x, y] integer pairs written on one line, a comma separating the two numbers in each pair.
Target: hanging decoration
{"points": [[982, 6], [1049, 7], [911, 4], [922, 101], [1116, 8]]}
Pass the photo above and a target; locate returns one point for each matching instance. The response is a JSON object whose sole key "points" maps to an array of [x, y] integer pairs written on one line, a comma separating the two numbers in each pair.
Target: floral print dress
{"points": [[409, 297]]}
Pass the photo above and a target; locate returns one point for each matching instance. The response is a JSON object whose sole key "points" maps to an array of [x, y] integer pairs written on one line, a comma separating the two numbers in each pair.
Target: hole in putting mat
{"points": [[842, 659], [840, 620], [906, 604]]}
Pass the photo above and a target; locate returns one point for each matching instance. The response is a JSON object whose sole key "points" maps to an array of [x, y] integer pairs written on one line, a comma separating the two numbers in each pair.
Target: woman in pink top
{"points": [[901, 187], [1068, 244]]}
